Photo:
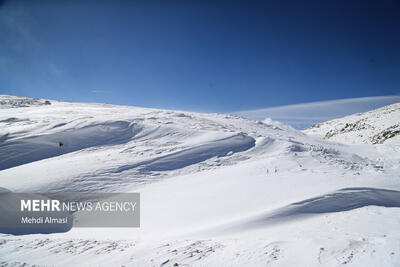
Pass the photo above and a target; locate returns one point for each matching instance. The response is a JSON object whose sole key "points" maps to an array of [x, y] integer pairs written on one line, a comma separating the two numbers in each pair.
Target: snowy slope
{"points": [[216, 189], [373, 127]]}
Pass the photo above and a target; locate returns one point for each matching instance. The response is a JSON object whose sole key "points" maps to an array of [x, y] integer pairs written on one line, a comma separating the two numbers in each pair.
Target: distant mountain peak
{"points": [[372, 127]]}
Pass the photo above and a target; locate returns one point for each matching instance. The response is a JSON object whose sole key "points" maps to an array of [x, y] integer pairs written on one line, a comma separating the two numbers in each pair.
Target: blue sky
{"points": [[213, 56]]}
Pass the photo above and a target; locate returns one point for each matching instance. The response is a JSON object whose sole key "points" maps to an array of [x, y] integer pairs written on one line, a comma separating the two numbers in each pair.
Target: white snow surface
{"points": [[216, 189]]}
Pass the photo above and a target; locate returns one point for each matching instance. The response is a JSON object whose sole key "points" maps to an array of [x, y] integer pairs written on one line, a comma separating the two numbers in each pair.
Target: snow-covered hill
{"points": [[374, 127], [216, 189]]}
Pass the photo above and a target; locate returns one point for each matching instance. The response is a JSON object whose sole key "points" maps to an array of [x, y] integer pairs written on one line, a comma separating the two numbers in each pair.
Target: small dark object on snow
{"points": [[47, 102], [60, 144]]}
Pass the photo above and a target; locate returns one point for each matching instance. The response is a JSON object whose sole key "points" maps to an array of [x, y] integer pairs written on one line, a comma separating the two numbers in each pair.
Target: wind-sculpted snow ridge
{"points": [[18, 151], [196, 154], [341, 200], [372, 127]]}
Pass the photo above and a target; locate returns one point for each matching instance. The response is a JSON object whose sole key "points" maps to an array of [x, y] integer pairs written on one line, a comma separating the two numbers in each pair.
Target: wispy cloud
{"points": [[304, 115], [100, 91]]}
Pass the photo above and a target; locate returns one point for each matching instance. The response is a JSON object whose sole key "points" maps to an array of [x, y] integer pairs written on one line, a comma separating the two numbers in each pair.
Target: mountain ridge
{"points": [[372, 127]]}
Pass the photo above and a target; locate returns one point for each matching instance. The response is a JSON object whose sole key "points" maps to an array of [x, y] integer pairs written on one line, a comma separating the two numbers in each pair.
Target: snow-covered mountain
{"points": [[216, 189], [373, 127]]}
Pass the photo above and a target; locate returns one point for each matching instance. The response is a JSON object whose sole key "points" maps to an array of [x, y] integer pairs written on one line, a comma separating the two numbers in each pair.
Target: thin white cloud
{"points": [[304, 115], [100, 91]]}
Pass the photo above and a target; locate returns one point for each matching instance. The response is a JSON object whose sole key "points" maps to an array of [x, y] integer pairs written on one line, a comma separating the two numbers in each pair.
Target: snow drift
{"points": [[215, 188]]}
